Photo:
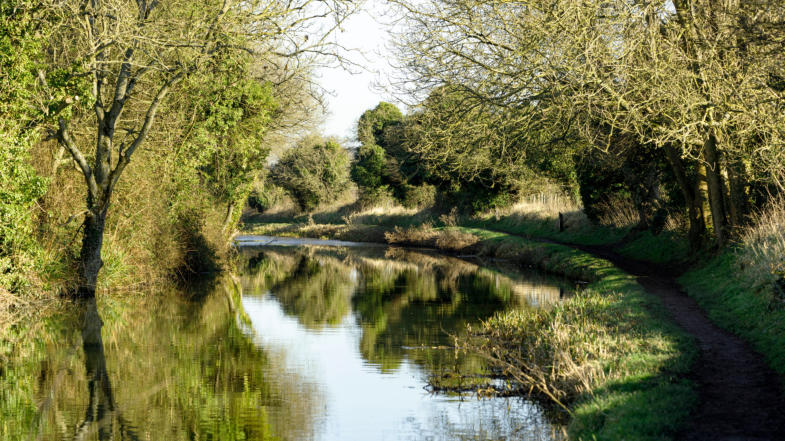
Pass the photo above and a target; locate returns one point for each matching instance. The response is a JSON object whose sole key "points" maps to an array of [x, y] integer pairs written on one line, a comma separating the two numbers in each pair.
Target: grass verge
{"points": [[609, 353], [730, 300]]}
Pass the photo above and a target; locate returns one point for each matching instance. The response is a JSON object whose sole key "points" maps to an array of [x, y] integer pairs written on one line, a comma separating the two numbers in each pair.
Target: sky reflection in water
{"points": [[366, 346]]}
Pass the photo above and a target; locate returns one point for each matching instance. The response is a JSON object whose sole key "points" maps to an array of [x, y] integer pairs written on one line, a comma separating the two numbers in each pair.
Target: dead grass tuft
{"points": [[420, 235], [424, 235], [618, 212], [455, 240], [762, 251]]}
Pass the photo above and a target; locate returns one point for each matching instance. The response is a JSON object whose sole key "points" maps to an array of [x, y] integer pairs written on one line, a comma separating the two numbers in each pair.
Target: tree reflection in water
{"points": [[369, 326], [176, 367], [407, 303], [161, 366], [101, 413]]}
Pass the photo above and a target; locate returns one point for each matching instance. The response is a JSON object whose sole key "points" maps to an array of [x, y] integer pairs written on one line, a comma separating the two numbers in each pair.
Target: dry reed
{"points": [[762, 250]]}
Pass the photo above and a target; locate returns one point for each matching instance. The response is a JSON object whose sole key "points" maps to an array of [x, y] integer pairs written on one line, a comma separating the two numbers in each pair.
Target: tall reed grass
{"points": [[761, 252]]}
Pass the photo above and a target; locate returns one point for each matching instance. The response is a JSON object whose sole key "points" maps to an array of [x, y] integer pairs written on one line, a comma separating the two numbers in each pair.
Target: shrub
{"points": [[264, 196], [370, 197], [420, 235], [368, 167], [418, 196], [453, 239], [20, 187], [313, 172]]}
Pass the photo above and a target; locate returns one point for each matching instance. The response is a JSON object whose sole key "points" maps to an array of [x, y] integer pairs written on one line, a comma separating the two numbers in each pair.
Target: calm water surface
{"points": [[304, 343]]}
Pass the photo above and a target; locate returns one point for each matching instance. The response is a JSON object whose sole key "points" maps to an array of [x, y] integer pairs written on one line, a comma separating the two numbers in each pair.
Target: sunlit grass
{"points": [[762, 250], [609, 354]]}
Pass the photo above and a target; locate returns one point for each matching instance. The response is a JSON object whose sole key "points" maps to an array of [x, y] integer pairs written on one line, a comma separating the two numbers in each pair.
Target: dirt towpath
{"points": [[741, 398]]}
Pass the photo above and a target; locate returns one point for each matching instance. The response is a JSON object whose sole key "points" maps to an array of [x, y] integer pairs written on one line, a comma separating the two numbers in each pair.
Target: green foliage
{"points": [[264, 195], [368, 169], [479, 155], [470, 156], [631, 172], [20, 186], [382, 166], [233, 111], [370, 197], [418, 196], [375, 122], [597, 181], [313, 172]]}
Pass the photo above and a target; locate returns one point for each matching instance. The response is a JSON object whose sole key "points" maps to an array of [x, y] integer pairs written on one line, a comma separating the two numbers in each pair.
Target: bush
{"points": [[368, 168], [20, 187], [471, 197], [315, 171], [265, 196], [418, 196], [371, 197]]}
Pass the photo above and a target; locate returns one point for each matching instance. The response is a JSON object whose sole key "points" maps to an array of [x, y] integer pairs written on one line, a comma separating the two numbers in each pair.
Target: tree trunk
{"points": [[690, 191], [737, 184], [229, 217], [90, 256], [714, 182]]}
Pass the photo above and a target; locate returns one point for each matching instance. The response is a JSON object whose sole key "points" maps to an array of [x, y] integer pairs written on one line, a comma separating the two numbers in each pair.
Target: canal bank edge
{"points": [[633, 363]]}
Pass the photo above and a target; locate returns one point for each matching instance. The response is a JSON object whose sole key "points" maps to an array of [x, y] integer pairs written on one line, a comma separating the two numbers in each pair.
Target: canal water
{"points": [[304, 342]]}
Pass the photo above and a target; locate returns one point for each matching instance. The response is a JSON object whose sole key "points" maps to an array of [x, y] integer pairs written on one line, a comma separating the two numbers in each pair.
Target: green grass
{"points": [[646, 396], [730, 302], [580, 233]]}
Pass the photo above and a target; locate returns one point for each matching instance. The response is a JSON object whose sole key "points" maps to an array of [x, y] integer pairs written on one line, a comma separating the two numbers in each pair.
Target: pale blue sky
{"points": [[351, 93]]}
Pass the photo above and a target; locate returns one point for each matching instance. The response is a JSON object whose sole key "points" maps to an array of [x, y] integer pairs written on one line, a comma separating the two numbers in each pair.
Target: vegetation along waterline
{"points": [[752, 382], [635, 146]]}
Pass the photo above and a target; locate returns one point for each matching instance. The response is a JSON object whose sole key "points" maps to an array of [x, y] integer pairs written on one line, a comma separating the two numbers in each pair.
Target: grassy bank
{"points": [[608, 354], [532, 219]]}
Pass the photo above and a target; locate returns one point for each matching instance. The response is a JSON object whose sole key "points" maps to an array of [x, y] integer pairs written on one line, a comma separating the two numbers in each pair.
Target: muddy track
{"points": [[741, 398]]}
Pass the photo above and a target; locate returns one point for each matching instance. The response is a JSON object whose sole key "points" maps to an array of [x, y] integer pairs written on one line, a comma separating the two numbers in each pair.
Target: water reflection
{"points": [[303, 344], [368, 326], [101, 413], [407, 304], [156, 368]]}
